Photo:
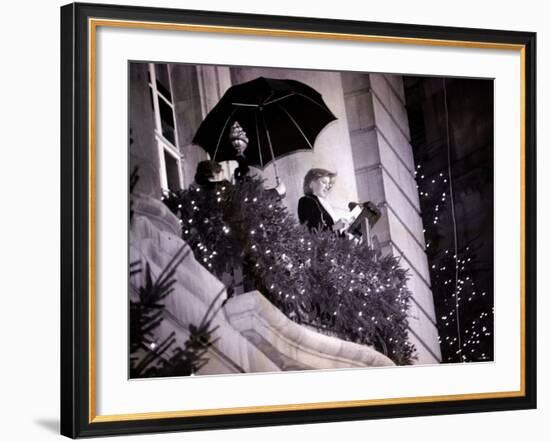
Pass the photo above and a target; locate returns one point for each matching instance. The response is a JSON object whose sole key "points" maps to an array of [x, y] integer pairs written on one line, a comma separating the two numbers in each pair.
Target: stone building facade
{"points": [[368, 146]]}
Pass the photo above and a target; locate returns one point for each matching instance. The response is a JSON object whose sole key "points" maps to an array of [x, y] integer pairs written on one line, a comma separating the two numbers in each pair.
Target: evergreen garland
{"points": [[149, 358], [317, 279]]}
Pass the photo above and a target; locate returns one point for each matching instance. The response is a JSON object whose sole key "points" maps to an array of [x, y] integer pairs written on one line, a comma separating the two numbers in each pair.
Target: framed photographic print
{"points": [[274, 220]]}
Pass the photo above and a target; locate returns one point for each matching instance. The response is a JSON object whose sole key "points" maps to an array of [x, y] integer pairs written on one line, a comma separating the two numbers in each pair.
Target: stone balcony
{"points": [[254, 336]]}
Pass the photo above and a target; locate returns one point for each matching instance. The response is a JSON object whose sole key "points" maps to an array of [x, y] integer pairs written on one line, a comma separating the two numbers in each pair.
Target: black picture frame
{"points": [[77, 406]]}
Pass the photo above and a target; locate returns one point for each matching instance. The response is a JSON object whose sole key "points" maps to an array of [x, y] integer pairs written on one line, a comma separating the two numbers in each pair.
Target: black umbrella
{"points": [[278, 116]]}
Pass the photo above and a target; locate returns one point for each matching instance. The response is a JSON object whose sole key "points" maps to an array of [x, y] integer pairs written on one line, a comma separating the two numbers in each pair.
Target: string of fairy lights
{"points": [[464, 311], [281, 250], [463, 335]]}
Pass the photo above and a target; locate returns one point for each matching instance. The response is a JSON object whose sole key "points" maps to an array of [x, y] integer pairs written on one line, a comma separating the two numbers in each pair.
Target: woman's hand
{"points": [[341, 224]]}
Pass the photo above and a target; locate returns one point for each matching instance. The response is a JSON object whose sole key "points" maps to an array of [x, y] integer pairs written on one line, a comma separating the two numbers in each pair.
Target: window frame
{"points": [[163, 144]]}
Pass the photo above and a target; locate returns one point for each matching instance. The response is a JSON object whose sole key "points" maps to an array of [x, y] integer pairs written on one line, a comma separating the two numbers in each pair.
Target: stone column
{"points": [[196, 90], [213, 82], [384, 170]]}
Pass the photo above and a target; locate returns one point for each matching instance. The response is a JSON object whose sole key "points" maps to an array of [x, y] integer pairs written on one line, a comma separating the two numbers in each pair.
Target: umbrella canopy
{"points": [[278, 116]]}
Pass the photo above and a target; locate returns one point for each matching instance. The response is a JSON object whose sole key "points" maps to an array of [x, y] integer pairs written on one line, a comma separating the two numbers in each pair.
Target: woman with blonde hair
{"points": [[314, 210]]}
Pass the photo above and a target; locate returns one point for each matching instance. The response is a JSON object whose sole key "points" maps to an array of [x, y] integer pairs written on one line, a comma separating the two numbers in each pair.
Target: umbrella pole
{"points": [[277, 180]]}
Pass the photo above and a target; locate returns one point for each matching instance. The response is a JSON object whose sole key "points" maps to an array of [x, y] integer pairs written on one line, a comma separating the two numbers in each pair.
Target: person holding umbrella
{"points": [[209, 175], [281, 116]]}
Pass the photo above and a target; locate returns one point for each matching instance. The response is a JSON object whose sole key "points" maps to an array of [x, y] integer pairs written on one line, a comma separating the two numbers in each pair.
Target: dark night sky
{"points": [[451, 123]]}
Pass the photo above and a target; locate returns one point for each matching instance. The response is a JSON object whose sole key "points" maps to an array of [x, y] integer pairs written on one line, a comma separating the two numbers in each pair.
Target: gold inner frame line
{"points": [[93, 24], [300, 34]]}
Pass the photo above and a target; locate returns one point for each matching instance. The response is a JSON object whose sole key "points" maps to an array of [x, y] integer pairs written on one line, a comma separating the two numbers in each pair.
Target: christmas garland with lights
{"points": [[149, 356], [318, 279]]}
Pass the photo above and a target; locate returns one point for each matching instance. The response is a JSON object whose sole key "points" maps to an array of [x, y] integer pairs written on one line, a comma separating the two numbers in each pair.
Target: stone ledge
{"points": [[194, 291], [293, 345], [156, 212]]}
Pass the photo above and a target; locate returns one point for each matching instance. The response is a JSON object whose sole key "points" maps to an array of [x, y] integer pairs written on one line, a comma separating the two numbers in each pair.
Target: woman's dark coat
{"points": [[312, 213]]}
